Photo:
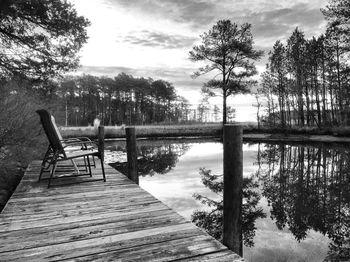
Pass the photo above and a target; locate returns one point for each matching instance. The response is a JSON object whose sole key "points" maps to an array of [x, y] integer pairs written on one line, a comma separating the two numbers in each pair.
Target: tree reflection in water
{"points": [[212, 220], [155, 158], [309, 188]]}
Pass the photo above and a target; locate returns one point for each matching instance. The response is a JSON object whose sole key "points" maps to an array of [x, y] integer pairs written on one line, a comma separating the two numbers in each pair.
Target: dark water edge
{"points": [[9, 179]]}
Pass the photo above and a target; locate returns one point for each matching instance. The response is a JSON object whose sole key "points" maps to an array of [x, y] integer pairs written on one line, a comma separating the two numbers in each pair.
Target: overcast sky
{"points": [[152, 38]]}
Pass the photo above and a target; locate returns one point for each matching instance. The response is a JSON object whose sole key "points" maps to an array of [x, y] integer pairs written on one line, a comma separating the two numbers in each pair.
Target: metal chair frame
{"points": [[60, 149]]}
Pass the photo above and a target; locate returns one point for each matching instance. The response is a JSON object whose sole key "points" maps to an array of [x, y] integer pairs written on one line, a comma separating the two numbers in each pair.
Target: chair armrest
{"points": [[70, 140], [83, 138], [75, 139], [80, 143]]}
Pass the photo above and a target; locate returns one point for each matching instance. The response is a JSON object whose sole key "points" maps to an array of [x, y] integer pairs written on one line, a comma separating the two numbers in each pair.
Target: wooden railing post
{"points": [[131, 154], [101, 141], [233, 180]]}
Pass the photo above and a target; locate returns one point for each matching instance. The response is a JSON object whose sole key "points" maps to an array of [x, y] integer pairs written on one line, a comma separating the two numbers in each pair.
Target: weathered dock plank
{"points": [[97, 221]]}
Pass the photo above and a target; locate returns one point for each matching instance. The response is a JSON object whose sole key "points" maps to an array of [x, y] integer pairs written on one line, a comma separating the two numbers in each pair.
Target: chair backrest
{"points": [[51, 130], [56, 128]]}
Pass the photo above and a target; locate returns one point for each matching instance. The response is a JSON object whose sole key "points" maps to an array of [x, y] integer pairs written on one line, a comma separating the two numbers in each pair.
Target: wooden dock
{"points": [[97, 221]]}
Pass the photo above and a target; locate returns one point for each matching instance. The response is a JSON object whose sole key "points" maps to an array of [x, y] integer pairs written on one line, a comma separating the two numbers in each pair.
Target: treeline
{"points": [[123, 99], [307, 81]]}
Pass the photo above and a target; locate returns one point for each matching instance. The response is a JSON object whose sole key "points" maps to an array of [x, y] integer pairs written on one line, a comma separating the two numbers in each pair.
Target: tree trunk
{"points": [[324, 95], [319, 118], [340, 100], [307, 104], [224, 112]]}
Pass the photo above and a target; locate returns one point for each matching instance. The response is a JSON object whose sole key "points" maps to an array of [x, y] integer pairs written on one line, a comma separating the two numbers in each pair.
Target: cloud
{"points": [[200, 14], [105, 70], [272, 20], [268, 26], [195, 12], [158, 39], [279, 23]]}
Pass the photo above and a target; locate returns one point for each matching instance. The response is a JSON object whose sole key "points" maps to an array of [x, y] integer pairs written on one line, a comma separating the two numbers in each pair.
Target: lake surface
{"points": [[296, 198]]}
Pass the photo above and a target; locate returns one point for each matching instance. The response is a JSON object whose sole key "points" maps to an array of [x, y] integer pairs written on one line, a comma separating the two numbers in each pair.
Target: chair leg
{"points": [[75, 166], [89, 165], [93, 163], [93, 160], [45, 159], [103, 170], [41, 172], [86, 169], [52, 173]]}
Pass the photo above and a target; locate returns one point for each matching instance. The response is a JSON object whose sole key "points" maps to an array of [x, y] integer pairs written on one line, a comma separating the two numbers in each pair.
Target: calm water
{"points": [[296, 204]]}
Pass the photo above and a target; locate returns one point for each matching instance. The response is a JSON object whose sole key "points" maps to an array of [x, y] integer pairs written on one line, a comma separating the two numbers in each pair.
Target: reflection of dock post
{"points": [[131, 154], [233, 179]]}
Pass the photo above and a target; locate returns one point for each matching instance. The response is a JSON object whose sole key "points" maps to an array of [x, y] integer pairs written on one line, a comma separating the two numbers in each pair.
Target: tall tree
{"points": [[277, 59], [39, 38], [216, 112], [267, 88], [337, 12], [203, 110], [228, 48], [163, 92], [296, 55], [258, 105]]}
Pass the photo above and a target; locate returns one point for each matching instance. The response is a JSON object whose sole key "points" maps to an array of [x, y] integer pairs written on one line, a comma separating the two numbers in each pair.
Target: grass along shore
{"points": [[250, 132]]}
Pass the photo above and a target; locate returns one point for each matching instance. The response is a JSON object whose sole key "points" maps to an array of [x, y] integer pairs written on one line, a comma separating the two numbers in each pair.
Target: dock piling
{"points": [[233, 180], [101, 141], [131, 154]]}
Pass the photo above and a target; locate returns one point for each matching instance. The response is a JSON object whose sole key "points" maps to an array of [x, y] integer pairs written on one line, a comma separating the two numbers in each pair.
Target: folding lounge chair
{"points": [[62, 150], [68, 143]]}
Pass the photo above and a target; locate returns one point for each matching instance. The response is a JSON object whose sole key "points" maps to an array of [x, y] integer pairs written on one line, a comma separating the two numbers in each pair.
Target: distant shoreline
{"points": [[299, 138], [250, 133]]}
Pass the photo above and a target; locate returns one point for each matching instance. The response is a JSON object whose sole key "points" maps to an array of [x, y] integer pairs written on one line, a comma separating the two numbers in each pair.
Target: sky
{"points": [[152, 38]]}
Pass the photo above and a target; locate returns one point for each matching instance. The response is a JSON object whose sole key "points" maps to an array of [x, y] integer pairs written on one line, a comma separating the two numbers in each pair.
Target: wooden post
{"points": [[131, 154], [101, 141], [233, 181]]}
